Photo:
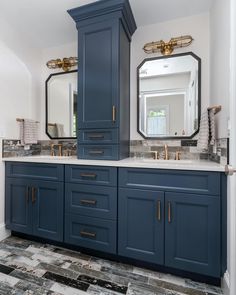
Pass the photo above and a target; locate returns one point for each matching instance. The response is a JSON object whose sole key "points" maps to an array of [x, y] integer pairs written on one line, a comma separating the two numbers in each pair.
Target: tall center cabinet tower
{"points": [[105, 29]]}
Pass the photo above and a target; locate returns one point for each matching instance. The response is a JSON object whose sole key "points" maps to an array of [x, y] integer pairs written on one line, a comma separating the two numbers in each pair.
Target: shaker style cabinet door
{"points": [[141, 225], [98, 75], [48, 213], [192, 233], [18, 205]]}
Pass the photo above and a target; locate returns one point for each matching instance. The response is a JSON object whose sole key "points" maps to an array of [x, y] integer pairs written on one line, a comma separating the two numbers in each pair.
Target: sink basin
{"points": [[177, 162], [49, 157]]}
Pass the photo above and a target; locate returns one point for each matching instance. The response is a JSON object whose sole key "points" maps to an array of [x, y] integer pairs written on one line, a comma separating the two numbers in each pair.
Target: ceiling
{"points": [[46, 23]]}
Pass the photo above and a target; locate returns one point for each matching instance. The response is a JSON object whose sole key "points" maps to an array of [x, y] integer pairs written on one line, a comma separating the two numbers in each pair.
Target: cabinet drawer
{"points": [[94, 201], [95, 136], [91, 175], [88, 232], [35, 171], [98, 152], [169, 180]]}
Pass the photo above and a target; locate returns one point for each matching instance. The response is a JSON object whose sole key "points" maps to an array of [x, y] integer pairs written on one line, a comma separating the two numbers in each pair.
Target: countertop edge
{"points": [[126, 163]]}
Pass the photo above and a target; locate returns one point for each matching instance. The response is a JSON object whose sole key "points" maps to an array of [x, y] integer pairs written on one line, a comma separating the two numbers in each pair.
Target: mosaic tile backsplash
{"points": [[138, 149]]}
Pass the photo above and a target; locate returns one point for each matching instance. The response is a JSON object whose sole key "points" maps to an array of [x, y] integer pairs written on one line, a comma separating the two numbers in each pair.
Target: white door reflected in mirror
{"points": [[61, 98]]}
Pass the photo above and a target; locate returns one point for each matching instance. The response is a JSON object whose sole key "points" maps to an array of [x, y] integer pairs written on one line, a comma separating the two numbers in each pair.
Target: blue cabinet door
{"points": [[48, 213], [99, 78], [192, 233], [141, 225], [18, 205]]}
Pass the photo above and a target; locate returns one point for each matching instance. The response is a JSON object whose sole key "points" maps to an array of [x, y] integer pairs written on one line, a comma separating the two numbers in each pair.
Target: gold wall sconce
{"points": [[166, 48], [66, 63]]}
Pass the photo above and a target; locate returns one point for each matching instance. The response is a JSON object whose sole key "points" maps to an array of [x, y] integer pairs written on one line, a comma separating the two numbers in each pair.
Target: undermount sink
{"points": [[177, 162], [45, 157]]}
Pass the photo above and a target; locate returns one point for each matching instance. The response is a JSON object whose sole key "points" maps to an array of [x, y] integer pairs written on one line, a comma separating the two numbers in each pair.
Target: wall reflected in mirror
{"points": [[169, 96], [61, 105]]}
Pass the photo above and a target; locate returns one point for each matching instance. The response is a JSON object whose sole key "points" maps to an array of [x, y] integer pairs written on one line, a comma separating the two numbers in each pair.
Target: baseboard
{"points": [[225, 283], [4, 233]]}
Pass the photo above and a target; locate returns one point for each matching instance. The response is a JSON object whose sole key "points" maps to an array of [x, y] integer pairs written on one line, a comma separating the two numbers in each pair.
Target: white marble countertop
{"points": [[192, 165]]}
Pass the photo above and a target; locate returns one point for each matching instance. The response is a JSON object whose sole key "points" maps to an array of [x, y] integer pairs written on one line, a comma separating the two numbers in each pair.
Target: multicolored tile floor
{"points": [[28, 267]]}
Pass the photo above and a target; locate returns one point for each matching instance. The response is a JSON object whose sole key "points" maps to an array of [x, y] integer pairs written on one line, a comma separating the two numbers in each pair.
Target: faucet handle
{"points": [[177, 155], [155, 155]]}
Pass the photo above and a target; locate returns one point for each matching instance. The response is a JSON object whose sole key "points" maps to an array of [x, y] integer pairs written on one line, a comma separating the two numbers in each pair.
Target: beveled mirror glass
{"points": [[61, 105], [169, 96]]}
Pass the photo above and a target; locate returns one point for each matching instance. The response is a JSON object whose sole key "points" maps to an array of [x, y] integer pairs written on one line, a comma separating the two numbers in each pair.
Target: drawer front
{"points": [[169, 180], [91, 175], [98, 152], [94, 201], [89, 232], [95, 136], [35, 171]]}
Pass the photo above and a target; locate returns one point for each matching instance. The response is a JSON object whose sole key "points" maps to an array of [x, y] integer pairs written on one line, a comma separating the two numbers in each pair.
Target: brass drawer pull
{"points": [[159, 210], [33, 194], [96, 136], [113, 114], [96, 152], [88, 234], [88, 202], [169, 212], [88, 175], [27, 193]]}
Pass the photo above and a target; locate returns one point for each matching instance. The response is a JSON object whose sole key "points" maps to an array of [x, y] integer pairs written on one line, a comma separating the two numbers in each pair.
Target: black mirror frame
{"points": [[199, 96], [46, 106]]}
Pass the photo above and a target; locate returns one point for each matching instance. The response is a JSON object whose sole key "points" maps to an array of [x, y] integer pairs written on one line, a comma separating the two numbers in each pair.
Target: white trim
{"points": [[232, 180], [225, 283], [4, 233]]}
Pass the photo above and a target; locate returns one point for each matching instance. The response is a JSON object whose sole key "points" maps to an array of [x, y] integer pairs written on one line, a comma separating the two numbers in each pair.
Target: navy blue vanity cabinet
{"points": [[34, 203], [91, 207], [18, 205], [104, 35], [172, 217], [193, 233], [141, 225]]}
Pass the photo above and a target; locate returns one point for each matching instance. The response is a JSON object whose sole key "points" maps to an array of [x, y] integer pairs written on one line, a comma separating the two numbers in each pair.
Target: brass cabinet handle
{"points": [[96, 136], [33, 190], [159, 210], [27, 193], [88, 202], [88, 175], [88, 234], [169, 212], [113, 114], [96, 152]]}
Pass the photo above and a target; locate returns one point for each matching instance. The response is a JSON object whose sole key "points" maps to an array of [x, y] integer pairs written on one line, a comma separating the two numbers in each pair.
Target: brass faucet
{"points": [[166, 154], [59, 149]]}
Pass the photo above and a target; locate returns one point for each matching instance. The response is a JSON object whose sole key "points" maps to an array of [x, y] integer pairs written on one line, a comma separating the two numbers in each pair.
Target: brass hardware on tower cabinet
{"points": [[88, 202], [114, 114], [33, 190], [88, 234], [96, 152], [96, 136], [88, 175], [169, 212], [159, 210]]}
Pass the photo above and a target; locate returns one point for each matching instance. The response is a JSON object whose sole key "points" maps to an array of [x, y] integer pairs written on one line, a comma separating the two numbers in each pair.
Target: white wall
{"points": [[220, 62], [18, 91], [197, 26]]}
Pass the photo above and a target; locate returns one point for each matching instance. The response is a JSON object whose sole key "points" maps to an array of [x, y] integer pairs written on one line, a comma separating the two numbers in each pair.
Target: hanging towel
{"points": [[60, 130], [212, 127], [28, 132], [203, 136]]}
